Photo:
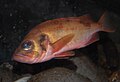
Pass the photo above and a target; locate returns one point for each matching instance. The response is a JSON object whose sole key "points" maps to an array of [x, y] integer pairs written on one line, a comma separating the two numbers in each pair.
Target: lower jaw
{"points": [[22, 59]]}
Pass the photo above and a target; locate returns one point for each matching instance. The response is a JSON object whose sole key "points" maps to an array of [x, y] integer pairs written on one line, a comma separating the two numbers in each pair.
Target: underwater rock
{"points": [[5, 73], [108, 49], [86, 68], [86, 72], [21, 68], [24, 79], [115, 77], [58, 74], [6, 65]]}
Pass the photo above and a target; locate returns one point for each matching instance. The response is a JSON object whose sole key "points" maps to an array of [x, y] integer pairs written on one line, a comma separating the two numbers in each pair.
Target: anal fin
{"points": [[94, 38], [65, 55]]}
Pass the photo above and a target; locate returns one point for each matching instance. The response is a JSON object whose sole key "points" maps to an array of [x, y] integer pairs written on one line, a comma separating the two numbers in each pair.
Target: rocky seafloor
{"points": [[86, 72], [99, 61]]}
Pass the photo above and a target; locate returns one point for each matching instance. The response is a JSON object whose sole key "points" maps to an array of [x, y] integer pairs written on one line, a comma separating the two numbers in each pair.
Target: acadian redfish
{"points": [[58, 37]]}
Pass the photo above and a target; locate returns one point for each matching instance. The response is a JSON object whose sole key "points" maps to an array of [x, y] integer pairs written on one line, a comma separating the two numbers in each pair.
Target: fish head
{"points": [[32, 50]]}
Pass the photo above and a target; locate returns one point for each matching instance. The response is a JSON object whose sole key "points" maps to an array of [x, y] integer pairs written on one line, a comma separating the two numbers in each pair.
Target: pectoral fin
{"points": [[62, 42], [64, 55]]}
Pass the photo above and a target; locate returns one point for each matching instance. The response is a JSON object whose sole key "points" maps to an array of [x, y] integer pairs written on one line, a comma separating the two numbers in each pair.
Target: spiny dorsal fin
{"points": [[85, 17]]}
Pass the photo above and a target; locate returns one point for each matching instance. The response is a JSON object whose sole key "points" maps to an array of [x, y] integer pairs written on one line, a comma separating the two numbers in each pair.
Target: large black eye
{"points": [[27, 45]]}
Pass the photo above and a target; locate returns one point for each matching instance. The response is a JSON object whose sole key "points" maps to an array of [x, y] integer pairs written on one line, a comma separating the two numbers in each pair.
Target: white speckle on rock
{"points": [[1, 35], [16, 11], [6, 5], [11, 14], [14, 27], [75, 7]]}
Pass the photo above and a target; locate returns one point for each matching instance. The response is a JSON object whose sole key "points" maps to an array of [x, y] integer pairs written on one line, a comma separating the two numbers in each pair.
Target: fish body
{"points": [[56, 38]]}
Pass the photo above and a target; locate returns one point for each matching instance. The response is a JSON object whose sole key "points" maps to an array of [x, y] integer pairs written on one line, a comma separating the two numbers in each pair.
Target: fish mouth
{"points": [[23, 58]]}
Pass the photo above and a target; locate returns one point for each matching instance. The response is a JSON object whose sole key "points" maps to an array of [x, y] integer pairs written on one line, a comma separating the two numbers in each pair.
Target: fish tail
{"points": [[106, 23]]}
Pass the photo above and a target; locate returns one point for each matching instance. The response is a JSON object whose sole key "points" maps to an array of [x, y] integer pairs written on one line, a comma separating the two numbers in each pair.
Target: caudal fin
{"points": [[106, 23]]}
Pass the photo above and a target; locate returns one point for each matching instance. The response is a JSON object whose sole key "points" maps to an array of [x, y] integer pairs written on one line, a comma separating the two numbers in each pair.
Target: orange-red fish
{"points": [[56, 38]]}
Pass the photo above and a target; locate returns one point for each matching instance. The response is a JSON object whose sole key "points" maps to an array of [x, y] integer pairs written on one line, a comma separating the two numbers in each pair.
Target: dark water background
{"points": [[17, 17]]}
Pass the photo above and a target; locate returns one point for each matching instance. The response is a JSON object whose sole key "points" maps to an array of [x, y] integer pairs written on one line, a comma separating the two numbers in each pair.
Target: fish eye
{"points": [[27, 45]]}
